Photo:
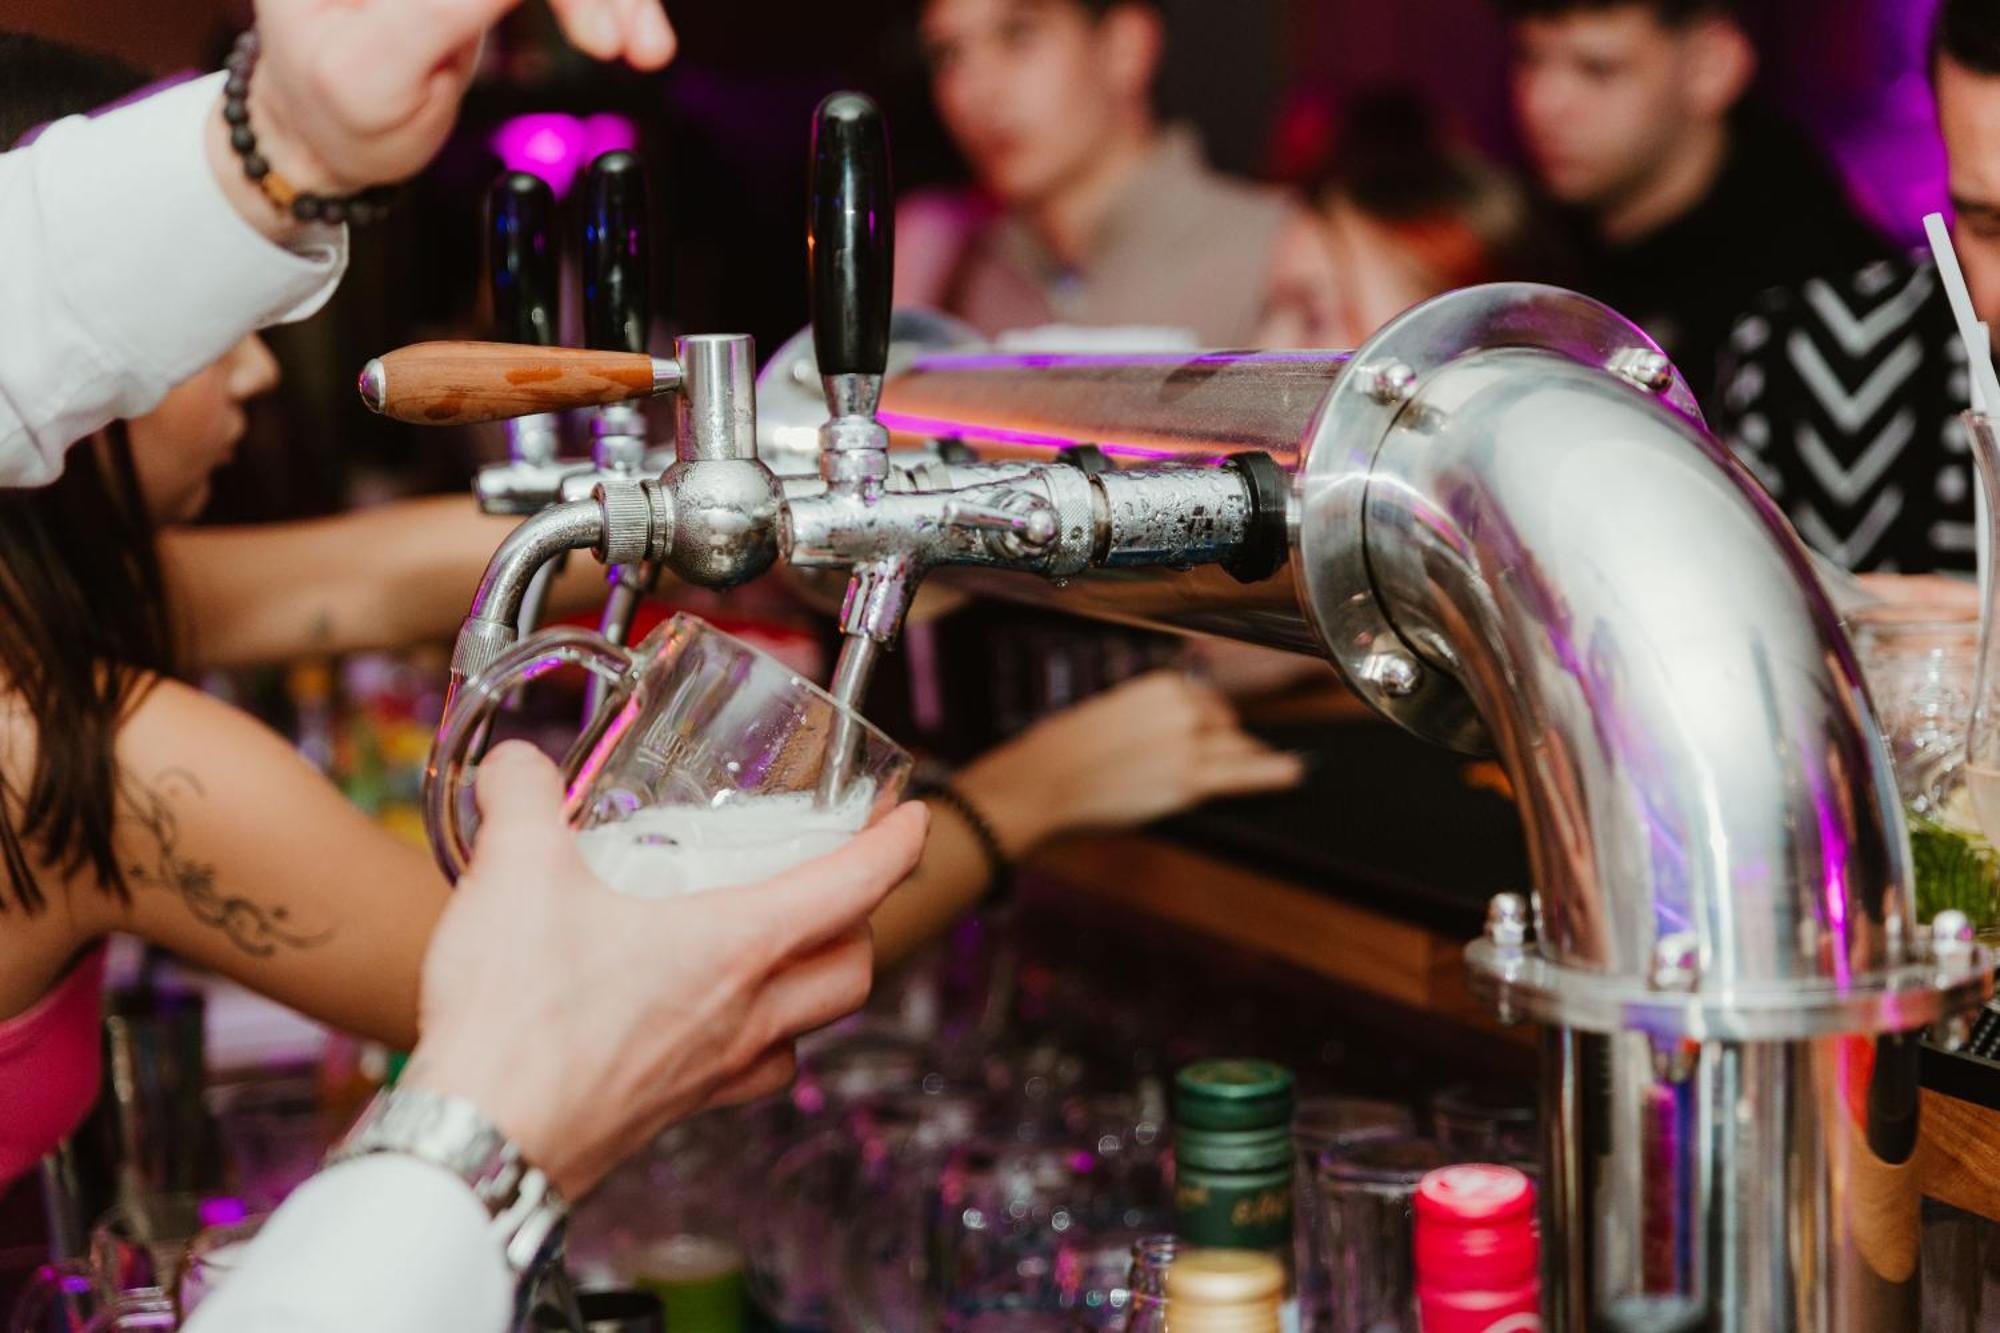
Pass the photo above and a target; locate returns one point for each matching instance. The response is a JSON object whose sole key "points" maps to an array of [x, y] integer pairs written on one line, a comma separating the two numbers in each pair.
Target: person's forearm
{"points": [[955, 872], [947, 883], [387, 577], [128, 269]]}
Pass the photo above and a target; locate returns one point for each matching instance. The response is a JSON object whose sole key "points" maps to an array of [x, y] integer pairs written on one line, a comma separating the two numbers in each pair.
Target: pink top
{"points": [[51, 1063]]}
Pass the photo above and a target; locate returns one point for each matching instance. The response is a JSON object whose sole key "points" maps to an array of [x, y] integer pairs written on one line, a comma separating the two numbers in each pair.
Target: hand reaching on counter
{"points": [[353, 93], [1150, 748], [582, 1022]]}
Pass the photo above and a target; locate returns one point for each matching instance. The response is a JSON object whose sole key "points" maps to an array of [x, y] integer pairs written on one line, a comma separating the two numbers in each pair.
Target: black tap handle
{"points": [[852, 240], [617, 243], [521, 260]]}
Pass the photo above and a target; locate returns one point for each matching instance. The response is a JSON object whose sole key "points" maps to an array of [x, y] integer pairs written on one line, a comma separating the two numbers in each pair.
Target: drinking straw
{"points": [[1978, 347]]}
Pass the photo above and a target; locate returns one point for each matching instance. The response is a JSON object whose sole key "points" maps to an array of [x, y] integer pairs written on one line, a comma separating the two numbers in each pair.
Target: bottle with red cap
{"points": [[1478, 1255]]}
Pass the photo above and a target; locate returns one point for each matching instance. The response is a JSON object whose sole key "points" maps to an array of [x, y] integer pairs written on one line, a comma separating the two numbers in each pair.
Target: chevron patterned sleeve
{"points": [[1842, 397]]}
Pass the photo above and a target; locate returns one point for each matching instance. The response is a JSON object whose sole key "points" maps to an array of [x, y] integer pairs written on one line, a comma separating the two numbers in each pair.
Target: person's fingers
{"points": [[607, 29], [517, 781], [397, 46], [1203, 706], [822, 900], [651, 41], [1241, 774], [520, 809], [1212, 707], [594, 27], [771, 1072], [1230, 741], [815, 990]]}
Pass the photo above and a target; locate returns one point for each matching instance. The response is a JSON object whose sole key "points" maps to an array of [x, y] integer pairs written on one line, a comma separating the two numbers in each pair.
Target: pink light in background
{"points": [[557, 147]]}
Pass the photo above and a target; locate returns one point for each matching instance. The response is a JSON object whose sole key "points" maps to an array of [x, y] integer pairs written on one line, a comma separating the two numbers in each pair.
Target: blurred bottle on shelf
{"points": [[1225, 1291], [1233, 1162], [1477, 1253]]}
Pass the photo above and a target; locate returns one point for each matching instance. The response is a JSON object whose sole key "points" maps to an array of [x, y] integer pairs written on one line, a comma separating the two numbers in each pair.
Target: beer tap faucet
{"points": [[851, 250], [718, 517]]}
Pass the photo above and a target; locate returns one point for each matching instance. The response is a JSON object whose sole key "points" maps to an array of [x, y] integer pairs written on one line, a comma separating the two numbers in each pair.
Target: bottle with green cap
{"points": [[1233, 1160]]}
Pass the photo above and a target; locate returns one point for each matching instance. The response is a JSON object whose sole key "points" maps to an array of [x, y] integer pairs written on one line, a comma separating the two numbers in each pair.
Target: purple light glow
{"points": [[222, 1212], [939, 428], [556, 147], [1101, 360], [1891, 151], [600, 754], [1834, 855]]}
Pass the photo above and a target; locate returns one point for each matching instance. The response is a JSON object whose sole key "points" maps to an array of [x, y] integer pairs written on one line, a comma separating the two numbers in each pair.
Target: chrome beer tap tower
{"points": [[1503, 520]]}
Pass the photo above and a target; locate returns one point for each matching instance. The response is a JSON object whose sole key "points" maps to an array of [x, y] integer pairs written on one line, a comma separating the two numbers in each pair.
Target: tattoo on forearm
{"points": [[256, 929]]}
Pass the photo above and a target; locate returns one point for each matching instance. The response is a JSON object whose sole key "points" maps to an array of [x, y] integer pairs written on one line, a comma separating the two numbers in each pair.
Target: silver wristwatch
{"points": [[528, 1211]]}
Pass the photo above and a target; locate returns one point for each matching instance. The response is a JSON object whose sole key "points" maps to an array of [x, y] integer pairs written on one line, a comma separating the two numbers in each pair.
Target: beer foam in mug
{"points": [[667, 851]]}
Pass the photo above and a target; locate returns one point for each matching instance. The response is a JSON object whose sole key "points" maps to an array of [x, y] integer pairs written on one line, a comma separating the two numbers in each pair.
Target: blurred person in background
{"points": [[1842, 393], [1407, 213], [1688, 199], [1088, 211]]}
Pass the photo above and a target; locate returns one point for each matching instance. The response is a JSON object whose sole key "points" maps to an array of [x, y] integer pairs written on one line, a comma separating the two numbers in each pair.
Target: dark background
{"points": [[725, 132]]}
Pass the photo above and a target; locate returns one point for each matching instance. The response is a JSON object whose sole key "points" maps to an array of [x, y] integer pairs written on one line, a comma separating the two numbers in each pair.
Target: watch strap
{"points": [[527, 1209]]}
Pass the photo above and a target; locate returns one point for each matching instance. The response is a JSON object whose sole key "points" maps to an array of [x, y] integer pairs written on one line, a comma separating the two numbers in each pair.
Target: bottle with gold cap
{"points": [[1224, 1291]]}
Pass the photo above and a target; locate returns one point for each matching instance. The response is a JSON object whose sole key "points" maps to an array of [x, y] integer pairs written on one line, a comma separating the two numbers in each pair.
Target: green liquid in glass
{"points": [[700, 1281]]}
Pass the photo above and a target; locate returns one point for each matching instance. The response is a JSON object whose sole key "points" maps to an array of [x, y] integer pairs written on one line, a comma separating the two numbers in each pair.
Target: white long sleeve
{"points": [[124, 270], [385, 1244]]}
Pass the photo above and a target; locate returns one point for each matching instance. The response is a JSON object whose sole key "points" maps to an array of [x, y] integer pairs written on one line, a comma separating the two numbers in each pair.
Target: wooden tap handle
{"points": [[460, 383]]}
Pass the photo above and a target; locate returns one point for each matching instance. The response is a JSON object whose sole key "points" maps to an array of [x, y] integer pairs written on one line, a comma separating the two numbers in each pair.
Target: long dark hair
{"points": [[85, 628]]}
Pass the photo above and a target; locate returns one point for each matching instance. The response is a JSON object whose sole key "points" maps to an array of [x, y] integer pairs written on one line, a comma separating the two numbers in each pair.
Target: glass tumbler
{"points": [[1321, 1127], [1366, 1200], [709, 764], [1484, 1122], [1919, 671], [838, 1188]]}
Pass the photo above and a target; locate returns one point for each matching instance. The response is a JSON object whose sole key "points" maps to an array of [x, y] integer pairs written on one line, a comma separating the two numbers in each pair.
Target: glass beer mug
{"points": [[708, 764]]}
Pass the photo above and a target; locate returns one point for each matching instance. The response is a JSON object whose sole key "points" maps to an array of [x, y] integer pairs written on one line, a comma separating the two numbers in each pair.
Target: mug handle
{"points": [[461, 735]]}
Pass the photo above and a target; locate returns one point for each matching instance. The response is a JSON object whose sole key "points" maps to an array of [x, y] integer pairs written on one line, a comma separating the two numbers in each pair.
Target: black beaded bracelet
{"points": [[359, 209], [1000, 871]]}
